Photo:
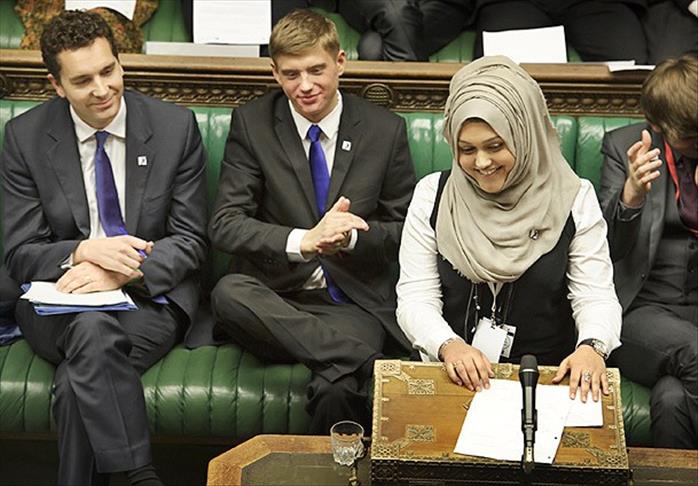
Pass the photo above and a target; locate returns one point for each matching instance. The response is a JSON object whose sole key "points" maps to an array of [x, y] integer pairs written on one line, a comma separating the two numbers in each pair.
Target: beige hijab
{"points": [[497, 237]]}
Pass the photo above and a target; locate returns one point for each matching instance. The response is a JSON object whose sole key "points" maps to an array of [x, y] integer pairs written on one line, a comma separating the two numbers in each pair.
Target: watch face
{"points": [[599, 347]]}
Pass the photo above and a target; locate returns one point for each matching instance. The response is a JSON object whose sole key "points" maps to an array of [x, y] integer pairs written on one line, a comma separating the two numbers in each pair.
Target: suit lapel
{"points": [[287, 135], [140, 157], [348, 139], [64, 157]]}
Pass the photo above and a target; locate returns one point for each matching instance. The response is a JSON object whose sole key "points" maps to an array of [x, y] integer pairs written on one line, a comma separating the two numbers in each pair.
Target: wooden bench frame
{"points": [[571, 89]]}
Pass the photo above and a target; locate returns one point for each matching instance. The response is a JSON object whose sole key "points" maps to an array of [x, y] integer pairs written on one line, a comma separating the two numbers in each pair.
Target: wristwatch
{"points": [[597, 345]]}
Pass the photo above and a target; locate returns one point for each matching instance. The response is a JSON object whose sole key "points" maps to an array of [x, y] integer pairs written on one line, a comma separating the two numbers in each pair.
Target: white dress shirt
{"points": [[329, 126], [595, 307], [115, 146]]}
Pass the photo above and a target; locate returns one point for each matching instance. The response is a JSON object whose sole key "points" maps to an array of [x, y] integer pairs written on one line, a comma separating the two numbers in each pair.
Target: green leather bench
{"points": [[225, 392]]}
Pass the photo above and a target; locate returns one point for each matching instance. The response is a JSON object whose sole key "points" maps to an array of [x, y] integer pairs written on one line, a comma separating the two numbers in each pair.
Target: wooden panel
{"points": [[582, 88]]}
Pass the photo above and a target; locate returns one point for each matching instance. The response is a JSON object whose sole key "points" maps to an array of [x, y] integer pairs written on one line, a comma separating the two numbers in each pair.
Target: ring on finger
{"points": [[586, 376]]}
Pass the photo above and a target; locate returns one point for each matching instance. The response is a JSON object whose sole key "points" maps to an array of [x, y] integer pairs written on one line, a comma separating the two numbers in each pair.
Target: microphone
{"points": [[528, 376]]}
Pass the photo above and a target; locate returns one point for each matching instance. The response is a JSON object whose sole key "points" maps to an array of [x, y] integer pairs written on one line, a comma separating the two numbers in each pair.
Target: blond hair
{"points": [[300, 30], [670, 96]]}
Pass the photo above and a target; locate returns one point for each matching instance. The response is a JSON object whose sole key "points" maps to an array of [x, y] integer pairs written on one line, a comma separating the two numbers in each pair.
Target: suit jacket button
{"points": [[642, 276]]}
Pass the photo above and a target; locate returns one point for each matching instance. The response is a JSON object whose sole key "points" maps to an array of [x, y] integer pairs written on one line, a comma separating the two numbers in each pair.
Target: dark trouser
{"points": [[391, 29], [598, 30], [338, 342], [660, 351], [671, 31], [443, 21], [9, 293], [98, 397]]}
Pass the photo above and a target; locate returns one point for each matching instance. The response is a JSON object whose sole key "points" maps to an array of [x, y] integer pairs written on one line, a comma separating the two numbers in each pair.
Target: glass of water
{"points": [[346, 442]]}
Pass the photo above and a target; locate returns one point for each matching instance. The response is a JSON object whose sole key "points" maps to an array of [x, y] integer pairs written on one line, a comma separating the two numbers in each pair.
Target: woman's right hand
{"points": [[467, 365]]}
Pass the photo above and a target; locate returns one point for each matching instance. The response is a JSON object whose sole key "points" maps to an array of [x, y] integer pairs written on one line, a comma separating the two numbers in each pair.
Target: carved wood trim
{"points": [[229, 82]]}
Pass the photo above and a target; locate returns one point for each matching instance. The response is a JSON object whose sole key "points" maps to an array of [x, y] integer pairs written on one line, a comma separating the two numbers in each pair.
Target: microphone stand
{"points": [[528, 376]]}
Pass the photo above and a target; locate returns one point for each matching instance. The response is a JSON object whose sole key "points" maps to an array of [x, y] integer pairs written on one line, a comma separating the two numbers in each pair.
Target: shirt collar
{"points": [[117, 127], [329, 125]]}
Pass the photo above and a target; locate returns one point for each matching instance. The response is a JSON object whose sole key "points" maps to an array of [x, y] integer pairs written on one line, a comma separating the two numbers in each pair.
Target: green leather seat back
{"points": [[459, 49], [166, 24], [588, 149], [11, 28], [214, 124], [566, 127], [429, 150]]}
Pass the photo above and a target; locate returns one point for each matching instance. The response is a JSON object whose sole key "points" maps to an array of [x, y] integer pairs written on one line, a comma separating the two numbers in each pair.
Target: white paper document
{"points": [[46, 293], [226, 22], [589, 414], [124, 7], [201, 50], [492, 427], [546, 44], [616, 66]]}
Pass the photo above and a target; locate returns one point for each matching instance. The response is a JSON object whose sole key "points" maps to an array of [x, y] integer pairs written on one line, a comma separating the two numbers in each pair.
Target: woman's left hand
{"points": [[587, 370]]}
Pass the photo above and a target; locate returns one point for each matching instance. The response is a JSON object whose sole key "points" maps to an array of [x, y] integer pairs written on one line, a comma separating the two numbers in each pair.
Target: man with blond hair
{"points": [[313, 191], [649, 194]]}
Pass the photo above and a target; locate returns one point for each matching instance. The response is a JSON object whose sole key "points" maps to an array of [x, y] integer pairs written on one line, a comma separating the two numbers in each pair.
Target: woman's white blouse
{"points": [[595, 308]]}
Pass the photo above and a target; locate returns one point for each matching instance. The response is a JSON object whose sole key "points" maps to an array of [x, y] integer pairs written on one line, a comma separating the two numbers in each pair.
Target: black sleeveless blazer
{"points": [[536, 304]]}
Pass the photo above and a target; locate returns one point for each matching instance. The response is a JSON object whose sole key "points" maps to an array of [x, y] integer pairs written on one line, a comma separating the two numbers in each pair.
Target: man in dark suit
{"points": [[649, 195], [103, 189], [313, 191]]}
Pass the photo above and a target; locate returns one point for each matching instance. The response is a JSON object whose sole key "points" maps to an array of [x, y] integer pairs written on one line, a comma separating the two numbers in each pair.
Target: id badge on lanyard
{"points": [[494, 339]]}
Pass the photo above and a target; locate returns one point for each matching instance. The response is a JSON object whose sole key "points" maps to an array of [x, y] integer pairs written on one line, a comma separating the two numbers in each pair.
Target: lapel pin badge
{"points": [[346, 145], [142, 161]]}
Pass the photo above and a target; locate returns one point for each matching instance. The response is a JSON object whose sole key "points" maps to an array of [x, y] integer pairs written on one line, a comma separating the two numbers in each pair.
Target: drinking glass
{"points": [[346, 442]]}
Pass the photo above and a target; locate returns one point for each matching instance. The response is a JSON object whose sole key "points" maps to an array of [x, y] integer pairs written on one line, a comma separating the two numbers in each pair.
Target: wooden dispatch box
{"points": [[418, 414]]}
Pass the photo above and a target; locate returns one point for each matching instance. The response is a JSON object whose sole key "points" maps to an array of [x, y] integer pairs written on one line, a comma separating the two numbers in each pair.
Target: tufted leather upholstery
{"points": [[227, 392]]}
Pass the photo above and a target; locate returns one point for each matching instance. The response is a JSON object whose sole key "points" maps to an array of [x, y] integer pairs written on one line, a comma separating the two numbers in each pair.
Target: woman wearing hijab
{"points": [[510, 219]]}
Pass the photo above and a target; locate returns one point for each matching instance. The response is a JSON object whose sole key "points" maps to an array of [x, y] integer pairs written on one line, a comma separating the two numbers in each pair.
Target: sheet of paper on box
{"points": [[492, 426], [582, 414], [124, 7], [226, 22], [546, 44], [46, 293]]}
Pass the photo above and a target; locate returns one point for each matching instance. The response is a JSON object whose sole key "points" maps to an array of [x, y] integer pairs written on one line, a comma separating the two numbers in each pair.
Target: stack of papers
{"points": [[492, 427], [49, 301]]}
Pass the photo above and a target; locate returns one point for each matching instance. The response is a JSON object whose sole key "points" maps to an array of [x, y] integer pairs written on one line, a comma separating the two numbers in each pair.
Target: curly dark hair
{"points": [[70, 30]]}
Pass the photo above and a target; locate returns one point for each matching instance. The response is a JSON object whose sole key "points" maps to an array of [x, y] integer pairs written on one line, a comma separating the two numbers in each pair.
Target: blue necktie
{"points": [[108, 199], [321, 181]]}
